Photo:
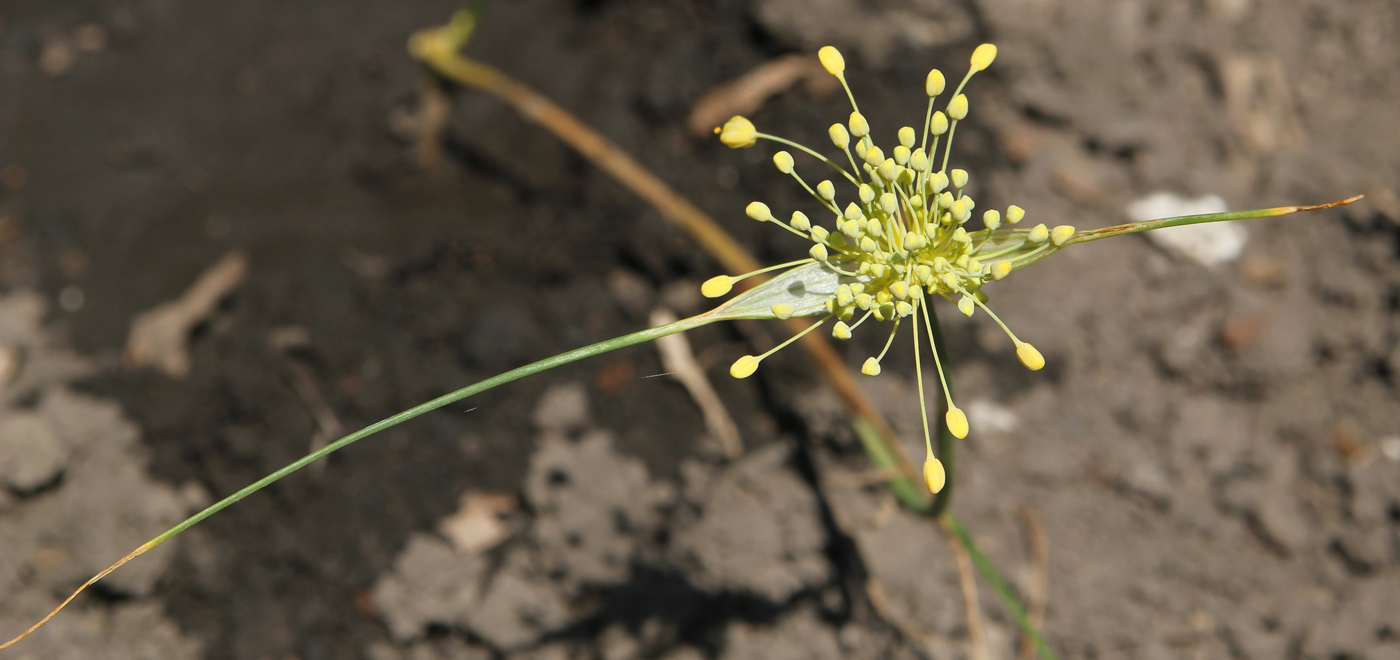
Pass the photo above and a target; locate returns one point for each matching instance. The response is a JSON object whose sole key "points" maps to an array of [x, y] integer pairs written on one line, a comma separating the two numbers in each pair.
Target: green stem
{"points": [[1135, 227], [533, 368], [946, 440], [999, 585]]}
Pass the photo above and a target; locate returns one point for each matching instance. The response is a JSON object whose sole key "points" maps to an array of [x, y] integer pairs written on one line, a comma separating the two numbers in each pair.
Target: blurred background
{"points": [[221, 244]]}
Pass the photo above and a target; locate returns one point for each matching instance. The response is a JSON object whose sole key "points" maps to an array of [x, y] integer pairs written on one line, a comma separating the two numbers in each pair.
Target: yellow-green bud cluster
{"points": [[902, 237]]}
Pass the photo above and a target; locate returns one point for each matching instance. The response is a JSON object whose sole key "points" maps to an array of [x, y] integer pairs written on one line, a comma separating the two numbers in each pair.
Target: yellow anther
{"points": [[851, 228], [957, 422], [983, 56], [938, 125], [819, 233], [957, 108], [934, 475], [940, 264], [960, 235], [888, 170], [945, 200], [950, 280], [974, 267], [868, 244], [917, 201], [856, 287], [835, 64], [871, 367], [783, 310], [966, 306], [1060, 234], [841, 331], [784, 162], [818, 252], [883, 297], [918, 161], [1039, 234], [866, 193], [759, 211], [903, 309], [878, 270], [933, 85], [744, 367], [859, 127], [906, 137], [916, 292], [938, 182], [1001, 269], [1029, 356], [800, 222], [839, 136], [826, 191], [1014, 214], [923, 273], [738, 133], [847, 313], [873, 228], [958, 177], [716, 286], [992, 219], [901, 155], [863, 300]]}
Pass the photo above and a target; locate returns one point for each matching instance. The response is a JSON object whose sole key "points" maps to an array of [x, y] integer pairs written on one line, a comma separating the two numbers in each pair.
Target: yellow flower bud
{"points": [[906, 137], [744, 367], [1039, 234], [738, 133], [1000, 270], [934, 475], [783, 160], [759, 211], [1029, 356], [841, 331], [938, 124], [859, 127], [835, 64], [1060, 234], [983, 56], [966, 306], [957, 108], [1014, 214], [800, 222], [933, 85], [783, 310], [958, 177], [839, 136], [992, 219], [716, 286], [957, 422], [871, 367], [826, 191]]}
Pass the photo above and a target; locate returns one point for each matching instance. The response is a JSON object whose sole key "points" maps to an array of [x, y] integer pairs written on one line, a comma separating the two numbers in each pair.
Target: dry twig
{"points": [[1040, 576]]}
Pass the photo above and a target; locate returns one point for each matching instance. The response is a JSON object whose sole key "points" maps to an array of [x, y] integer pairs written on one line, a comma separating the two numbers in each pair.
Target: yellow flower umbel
{"points": [[901, 238]]}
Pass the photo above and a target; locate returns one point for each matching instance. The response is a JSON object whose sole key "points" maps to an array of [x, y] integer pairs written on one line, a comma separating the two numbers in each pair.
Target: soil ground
{"points": [[1214, 451]]}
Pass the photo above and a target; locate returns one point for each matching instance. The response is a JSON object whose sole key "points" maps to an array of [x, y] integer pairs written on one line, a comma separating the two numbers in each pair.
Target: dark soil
{"points": [[1204, 496]]}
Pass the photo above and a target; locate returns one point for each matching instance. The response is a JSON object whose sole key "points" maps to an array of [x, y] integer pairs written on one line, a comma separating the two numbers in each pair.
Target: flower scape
{"points": [[902, 239]]}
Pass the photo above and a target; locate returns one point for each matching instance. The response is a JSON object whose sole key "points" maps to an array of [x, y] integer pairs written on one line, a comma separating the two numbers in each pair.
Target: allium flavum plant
{"points": [[901, 242], [902, 239]]}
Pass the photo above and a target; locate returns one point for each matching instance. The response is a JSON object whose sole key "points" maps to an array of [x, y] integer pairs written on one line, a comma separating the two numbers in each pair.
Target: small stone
{"points": [[31, 453]]}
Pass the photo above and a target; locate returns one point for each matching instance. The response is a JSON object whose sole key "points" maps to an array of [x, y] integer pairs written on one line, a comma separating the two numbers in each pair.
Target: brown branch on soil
{"points": [[968, 581], [1040, 576], [436, 48], [678, 359]]}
